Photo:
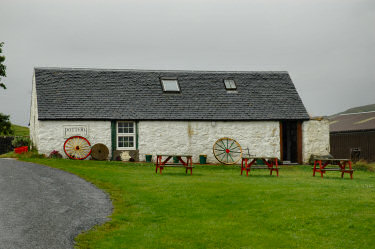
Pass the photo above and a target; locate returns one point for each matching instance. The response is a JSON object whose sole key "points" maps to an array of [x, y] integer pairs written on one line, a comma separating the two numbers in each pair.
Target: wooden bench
{"points": [[271, 164], [341, 163], [160, 164]]}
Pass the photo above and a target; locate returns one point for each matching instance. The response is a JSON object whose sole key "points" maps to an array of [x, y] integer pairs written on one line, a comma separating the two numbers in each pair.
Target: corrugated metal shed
{"points": [[353, 136], [353, 122]]}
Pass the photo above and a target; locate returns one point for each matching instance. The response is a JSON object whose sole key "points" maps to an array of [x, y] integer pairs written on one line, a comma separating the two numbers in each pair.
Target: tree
{"points": [[5, 125], [2, 66]]}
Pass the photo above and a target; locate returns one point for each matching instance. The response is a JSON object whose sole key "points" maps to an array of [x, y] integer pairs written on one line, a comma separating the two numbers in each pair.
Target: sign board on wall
{"points": [[75, 130]]}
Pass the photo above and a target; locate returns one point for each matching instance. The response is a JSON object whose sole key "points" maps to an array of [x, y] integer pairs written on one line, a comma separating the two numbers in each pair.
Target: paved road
{"points": [[42, 207]]}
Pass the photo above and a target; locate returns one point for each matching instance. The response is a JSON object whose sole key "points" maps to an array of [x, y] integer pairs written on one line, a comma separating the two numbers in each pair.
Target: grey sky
{"points": [[328, 46]]}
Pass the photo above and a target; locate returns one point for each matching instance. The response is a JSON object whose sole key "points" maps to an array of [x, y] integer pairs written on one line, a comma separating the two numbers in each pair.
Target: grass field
{"points": [[218, 208], [20, 130]]}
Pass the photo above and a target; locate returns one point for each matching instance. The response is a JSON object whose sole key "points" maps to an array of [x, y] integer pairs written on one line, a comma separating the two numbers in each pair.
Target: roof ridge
{"points": [[150, 70]]}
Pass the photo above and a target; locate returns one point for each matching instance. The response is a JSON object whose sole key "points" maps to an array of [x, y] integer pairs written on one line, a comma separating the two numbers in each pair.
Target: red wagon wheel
{"points": [[77, 148], [227, 150]]}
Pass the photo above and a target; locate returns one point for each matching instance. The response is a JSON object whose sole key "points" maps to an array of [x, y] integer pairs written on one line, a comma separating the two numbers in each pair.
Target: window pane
{"points": [[120, 141], [230, 84], [126, 141], [170, 85], [120, 128], [125, 127]]}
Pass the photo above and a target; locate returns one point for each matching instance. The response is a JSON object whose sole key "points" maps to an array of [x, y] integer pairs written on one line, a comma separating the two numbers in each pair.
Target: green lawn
{"points": [[218, 208]]}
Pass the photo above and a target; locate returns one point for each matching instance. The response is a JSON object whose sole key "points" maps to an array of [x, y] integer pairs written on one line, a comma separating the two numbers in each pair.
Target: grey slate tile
{"points": [[99, 94]]}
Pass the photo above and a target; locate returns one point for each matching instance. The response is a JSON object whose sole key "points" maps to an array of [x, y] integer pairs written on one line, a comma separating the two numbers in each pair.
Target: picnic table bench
{"points": [[271, 164], [161, 164], [341, 163]]}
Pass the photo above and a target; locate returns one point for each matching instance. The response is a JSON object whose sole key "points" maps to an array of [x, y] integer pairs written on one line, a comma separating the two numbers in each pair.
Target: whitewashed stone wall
{"points": [[34, 123], [315, 138], [198, 137], [50, 135], [47, 136]]}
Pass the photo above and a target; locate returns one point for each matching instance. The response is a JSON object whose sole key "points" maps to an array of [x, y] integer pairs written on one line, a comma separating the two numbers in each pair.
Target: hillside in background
{"points": [[364, 108], [19, 130]]}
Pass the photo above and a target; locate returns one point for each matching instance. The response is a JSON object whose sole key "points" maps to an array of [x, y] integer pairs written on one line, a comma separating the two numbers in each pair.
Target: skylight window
{"points": [[230, 84], [170, 85]]}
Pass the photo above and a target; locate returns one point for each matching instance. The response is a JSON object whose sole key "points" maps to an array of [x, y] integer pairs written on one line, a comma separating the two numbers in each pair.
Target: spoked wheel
{"points": [[227, 150], [77, 148]]}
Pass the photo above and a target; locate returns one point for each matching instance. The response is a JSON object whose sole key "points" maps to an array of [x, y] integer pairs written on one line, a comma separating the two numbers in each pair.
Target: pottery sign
{"points": [[75, 130]]}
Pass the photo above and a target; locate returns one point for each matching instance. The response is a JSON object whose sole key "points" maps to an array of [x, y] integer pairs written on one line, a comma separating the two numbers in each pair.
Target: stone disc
{"points": [[99, 152]]}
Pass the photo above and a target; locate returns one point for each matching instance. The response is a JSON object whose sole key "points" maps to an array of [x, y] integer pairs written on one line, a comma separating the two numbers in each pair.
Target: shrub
{"points": [[55, 154], [21, 141], [364, 166]]}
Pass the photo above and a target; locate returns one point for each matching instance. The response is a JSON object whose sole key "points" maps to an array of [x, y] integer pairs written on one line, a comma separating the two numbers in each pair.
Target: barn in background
{"points": [[174, 112], [353, 136]]}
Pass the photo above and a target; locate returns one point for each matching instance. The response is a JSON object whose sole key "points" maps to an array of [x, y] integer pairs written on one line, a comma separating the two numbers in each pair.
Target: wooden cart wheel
{"points": [[77, 148], [99, 152], [227, 150]]}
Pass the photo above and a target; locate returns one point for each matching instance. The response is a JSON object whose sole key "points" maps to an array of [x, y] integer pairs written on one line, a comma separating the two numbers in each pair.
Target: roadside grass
{"points": [[218, 208], [10, 154], [29, 154]]}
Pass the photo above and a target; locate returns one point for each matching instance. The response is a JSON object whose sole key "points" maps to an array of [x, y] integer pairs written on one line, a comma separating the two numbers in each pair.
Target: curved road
{"points": [[42, 207]]}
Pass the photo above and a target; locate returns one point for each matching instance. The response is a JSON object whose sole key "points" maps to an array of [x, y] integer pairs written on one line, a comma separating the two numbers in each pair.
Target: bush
{"points": [[364, 166], [5, 125], [21, 141], [55, 154]]}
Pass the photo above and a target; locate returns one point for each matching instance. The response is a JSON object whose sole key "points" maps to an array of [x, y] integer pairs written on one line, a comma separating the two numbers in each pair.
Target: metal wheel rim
{"points": [[77, 148], [227, 150]]}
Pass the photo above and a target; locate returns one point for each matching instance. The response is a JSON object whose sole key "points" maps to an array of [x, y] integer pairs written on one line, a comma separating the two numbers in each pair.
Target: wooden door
{"points": [[291, 141]]}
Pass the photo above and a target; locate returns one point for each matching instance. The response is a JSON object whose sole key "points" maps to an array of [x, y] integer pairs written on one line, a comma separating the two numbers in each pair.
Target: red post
{"points": [[277, 164], [320, 166], [314, 169], [157, 164]]}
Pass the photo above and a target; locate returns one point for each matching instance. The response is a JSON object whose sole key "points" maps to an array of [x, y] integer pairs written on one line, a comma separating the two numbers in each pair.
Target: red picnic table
{"points": [[341, 163], [271, 164], [187, 163]]}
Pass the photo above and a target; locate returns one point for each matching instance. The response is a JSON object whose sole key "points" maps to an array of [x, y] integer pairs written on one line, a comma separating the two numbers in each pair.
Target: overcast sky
{"points": [[328, 46]]}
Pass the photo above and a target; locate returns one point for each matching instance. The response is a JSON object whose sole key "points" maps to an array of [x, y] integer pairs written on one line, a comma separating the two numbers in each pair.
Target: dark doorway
{"points": [[290, 141]]}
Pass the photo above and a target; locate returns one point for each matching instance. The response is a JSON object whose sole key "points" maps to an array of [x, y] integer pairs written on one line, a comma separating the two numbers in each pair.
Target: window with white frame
{"points": [[125, 135], [230, 84], [170, 85]]}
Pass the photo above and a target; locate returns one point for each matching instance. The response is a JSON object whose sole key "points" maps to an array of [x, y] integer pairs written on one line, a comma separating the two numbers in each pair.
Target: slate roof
{"points": [[352, 122], [100, 94]]}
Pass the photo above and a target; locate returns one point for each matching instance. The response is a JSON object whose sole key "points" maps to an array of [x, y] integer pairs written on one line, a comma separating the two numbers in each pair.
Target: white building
{"points": [[173, 112]]}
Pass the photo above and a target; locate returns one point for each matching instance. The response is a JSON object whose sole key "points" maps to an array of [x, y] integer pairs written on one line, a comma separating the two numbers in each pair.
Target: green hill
{"points": [[20, 130], [364, 108]]}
